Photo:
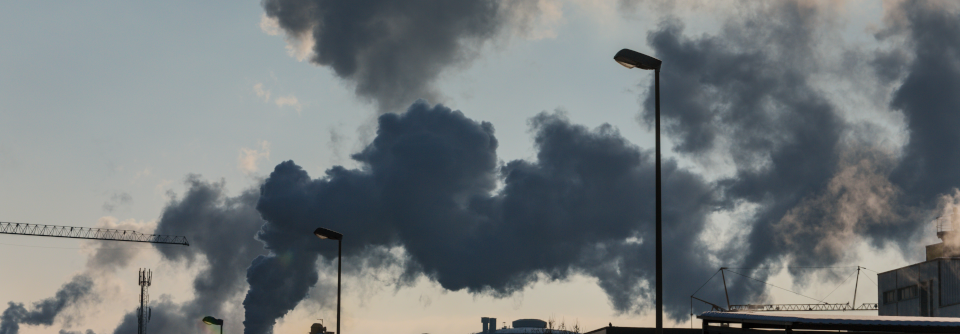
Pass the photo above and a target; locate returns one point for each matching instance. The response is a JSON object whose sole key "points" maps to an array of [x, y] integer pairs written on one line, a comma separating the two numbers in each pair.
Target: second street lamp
{"points": [[630, 59], [323, 233], [214, 321]]}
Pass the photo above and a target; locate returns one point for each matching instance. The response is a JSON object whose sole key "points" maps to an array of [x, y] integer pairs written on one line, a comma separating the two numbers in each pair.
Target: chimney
{"points": [[485, 321], [493, 325]]}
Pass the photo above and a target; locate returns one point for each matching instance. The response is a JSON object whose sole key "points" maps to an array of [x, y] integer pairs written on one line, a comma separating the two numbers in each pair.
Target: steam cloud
{"points": [[394, 51], [221, 230], [427, 184], [748, 93], [45, 311]]}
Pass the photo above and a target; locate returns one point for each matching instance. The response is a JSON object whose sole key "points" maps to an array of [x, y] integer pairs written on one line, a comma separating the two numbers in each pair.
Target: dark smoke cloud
{"points": [[429, 184], [394, 50], [45, 311], [221, 232], [928, 98], [747, 92]]}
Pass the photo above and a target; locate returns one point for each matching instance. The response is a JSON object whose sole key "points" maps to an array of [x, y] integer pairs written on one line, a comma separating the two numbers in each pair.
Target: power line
{"points": [[797, 293], [838, 286], [705, 283]]}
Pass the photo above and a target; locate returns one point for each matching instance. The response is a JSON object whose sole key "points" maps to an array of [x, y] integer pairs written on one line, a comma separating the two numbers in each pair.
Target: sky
{"points": [[482, 158]]}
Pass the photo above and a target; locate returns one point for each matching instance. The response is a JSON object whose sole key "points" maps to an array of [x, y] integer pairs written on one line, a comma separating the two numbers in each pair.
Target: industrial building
{"points": [[926, 289]]}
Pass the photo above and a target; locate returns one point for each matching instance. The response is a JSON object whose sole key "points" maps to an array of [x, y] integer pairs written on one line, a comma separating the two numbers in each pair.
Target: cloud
{"points": [[427, 184], [289, 101], [270, 26], [249, 159], [393, 52], [261, 92], [116, 200]]}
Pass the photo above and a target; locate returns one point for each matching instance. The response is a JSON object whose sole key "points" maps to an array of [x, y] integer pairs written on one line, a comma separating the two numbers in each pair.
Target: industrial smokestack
{"points": [[485, 321]]}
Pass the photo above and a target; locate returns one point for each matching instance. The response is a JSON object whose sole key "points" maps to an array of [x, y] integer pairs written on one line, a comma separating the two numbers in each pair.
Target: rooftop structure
{"points": [[521, 326], [749, 321], [926, 289]]}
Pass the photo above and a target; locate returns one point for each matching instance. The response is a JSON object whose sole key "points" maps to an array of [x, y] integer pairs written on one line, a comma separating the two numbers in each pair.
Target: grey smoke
{"points": [[928, 98], [747, 92], [44, 312], [394, 51], [117, 200], [166, 317], [428, 184], [221, 231]]}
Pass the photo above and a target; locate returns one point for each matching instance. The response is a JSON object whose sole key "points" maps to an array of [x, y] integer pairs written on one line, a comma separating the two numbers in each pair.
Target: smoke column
{"points": [[44, 312]]}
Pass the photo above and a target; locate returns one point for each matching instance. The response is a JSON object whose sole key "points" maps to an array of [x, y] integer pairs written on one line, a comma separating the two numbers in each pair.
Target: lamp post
{"points": [[214, 321], [323, 233], [630, 59]]}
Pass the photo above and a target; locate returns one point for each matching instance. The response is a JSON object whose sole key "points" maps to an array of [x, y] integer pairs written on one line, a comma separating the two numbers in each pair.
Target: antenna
{"points": [[144, 312]]}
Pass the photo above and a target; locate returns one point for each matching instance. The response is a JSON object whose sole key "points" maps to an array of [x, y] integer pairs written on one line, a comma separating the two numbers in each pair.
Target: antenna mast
{"points": [[143, 312]]}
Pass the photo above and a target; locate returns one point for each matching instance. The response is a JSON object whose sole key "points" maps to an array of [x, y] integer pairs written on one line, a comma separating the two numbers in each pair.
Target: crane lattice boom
{"points": [[89, 233], [803, 307]]}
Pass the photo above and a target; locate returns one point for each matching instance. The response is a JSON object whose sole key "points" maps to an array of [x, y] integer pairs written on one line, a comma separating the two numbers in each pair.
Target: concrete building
{"points": [[926, 289]]}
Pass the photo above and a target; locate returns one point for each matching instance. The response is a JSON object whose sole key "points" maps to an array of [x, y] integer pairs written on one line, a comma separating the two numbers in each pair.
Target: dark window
{"points": [[908, 292], [890, 297]]}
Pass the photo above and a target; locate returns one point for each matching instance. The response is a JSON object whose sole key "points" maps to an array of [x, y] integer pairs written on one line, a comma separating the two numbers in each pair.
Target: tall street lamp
{"points": [[630, 59], [214, 321], [323, 233]]}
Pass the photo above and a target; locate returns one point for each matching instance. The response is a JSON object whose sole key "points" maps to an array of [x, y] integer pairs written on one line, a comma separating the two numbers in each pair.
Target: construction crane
{"points": [[145, 276], [89, 233]]}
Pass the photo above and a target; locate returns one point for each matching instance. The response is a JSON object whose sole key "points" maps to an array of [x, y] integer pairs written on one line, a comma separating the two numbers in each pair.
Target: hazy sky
{"points": [[802, 133]]}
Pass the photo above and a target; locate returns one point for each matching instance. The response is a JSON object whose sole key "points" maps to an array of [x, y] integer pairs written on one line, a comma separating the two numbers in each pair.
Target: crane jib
{"points": [[89, 233]]}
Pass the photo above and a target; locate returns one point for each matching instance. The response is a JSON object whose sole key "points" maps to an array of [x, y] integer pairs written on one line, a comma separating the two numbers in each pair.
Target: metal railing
{"points": [[802, 307]]}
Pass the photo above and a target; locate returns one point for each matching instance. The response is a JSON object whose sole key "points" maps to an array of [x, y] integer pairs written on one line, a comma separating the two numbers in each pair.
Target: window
{"points": [[890, 297], [908, 292]]}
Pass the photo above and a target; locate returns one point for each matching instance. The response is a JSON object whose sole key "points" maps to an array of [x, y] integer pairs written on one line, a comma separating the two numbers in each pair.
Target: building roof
{"points": [[642, 330], [835, 322]]}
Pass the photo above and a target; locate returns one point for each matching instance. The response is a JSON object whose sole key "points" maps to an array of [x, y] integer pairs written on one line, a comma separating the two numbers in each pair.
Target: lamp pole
{"points": [[323, 233], [630, 59]]}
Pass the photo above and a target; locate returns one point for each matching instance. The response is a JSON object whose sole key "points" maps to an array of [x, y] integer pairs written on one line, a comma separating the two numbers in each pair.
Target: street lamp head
{"points": [[212, 321], [630, 59], [323, 233]]}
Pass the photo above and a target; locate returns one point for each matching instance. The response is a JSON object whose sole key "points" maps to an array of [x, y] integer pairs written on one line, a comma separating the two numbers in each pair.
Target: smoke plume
{"points": [[428, 183], [221, 230], [394, 51], [748, 92], [44, 312]]}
